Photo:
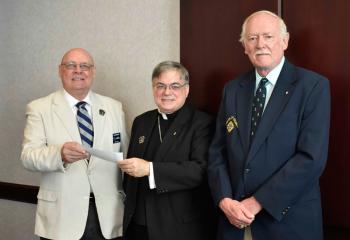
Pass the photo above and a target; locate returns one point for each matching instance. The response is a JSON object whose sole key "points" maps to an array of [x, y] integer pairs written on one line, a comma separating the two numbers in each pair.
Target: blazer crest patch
{"points": [[231, 124]]}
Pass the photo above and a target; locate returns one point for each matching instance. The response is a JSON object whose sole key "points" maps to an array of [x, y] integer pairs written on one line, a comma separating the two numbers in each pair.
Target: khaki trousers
{"points": [[247, 234]]}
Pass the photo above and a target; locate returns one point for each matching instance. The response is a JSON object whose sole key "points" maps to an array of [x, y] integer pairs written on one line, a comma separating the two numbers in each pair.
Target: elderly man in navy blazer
{"points": [[271, 142]]}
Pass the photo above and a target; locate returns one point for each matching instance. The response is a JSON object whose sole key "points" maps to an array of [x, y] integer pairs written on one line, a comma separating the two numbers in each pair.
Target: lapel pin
{"points": [[101, 112], [174, 133], [141, 139], [287, 92]]}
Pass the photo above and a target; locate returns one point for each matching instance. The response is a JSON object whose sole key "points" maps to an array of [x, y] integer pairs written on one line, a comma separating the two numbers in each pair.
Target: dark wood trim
{"points": [[18, 192], [336, 233]]}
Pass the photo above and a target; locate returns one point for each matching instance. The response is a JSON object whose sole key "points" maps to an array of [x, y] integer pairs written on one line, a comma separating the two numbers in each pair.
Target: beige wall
{"points": [[127, 38], [17, 220]]}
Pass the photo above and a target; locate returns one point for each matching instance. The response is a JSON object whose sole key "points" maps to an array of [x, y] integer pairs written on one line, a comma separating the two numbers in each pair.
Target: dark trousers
{"points": [[136, 232], [92, 229]]}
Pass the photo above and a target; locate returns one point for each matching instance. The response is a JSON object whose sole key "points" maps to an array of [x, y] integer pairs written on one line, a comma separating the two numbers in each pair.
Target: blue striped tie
{"points": [[85, 125]]}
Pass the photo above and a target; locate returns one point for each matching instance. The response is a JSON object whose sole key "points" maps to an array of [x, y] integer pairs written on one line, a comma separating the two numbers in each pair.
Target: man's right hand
{"points": [[237, 214], [73, 151]]}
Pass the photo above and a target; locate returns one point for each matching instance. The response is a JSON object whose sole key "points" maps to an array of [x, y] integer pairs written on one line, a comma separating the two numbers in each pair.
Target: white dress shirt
{"points": [[72, 101], [272, 80]]}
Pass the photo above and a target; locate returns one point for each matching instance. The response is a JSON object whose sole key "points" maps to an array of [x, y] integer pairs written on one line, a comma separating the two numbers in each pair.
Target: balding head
{"points": [[77, 71], [78, 50]]}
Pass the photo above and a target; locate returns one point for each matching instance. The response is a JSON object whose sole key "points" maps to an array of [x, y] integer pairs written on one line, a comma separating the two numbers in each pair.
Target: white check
{"points": [[105, 155]]}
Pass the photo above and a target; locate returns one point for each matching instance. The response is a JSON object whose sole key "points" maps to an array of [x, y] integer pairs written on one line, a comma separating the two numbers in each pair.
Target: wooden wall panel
{"points": [[209, 47], [320, 41]]}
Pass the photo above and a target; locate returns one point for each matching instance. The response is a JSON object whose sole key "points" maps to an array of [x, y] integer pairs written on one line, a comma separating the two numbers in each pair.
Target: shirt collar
{"points": [[72, 101], [166, 116], [163, 115], [273, 74]]}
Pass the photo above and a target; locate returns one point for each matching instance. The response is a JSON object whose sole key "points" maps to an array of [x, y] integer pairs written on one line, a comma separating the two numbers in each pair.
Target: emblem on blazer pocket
{"points": [[231, 124], [141, 139]]}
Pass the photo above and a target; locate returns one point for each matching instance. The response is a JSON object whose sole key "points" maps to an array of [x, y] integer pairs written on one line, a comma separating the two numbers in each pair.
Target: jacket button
{"points": [[247, 170]]}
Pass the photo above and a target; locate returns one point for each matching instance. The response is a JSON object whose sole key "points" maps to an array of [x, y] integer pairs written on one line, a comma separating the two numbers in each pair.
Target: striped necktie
{"points": [[86, 129]]}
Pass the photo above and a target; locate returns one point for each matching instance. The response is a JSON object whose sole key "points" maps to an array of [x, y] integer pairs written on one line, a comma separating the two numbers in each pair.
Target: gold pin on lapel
{"points": [[231, 124], [141, 139]]}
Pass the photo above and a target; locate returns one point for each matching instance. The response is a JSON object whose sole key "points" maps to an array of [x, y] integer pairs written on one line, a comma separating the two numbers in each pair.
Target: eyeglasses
{"points": [[172, 87], [73, 66]]}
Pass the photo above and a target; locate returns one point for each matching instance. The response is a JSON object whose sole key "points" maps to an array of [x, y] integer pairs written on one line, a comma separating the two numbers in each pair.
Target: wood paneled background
{"points": [[320, 41]]}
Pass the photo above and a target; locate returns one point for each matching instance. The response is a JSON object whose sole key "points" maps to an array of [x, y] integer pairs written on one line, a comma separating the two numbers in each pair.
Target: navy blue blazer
{"points": [[281, 168]]}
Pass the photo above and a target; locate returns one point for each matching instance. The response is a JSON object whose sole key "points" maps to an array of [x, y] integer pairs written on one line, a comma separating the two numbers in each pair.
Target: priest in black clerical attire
{"points": [[165, 181]]}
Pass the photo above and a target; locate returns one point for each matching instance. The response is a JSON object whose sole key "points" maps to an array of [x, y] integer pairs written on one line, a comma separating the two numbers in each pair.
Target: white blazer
{"points": [[63, 198]]}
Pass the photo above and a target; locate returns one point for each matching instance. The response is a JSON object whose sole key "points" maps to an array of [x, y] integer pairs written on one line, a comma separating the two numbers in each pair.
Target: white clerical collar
{"points": [[164, 116]]}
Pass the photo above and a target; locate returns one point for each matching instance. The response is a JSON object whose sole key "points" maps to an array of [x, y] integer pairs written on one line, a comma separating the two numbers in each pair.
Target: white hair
{"points": [[283, 27]]}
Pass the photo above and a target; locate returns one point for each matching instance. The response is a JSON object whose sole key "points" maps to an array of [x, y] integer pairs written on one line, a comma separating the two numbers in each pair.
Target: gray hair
{"points": [[283, 27], [171, 65]]}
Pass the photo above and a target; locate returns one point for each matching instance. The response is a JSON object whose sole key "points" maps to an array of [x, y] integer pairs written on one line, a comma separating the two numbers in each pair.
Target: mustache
{"points": [[260, 52]]}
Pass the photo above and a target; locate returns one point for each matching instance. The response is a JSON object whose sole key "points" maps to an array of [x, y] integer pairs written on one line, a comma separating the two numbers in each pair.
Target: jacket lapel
{"points": [[144, 134], [138, 145], [65, 114], [98, 120], [278, 100], [244, 100]]}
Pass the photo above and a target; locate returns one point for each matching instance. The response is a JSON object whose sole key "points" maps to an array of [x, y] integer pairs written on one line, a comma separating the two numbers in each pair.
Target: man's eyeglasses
{"points": [[172, 87], [74, 65]]}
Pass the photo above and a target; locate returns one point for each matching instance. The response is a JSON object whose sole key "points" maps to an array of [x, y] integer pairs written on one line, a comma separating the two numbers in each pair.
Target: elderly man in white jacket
{"points": [[80, 196]]}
